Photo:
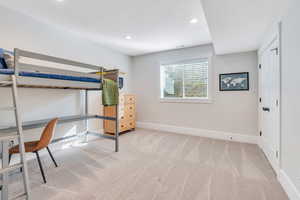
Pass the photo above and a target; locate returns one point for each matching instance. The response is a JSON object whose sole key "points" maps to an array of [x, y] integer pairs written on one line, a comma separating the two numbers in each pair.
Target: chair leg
{"points": [[52, 157], [9, 158], [40, 165]]}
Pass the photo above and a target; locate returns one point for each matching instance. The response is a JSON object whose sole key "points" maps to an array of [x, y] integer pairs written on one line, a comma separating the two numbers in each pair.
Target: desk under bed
{"points": [[33, 70]]}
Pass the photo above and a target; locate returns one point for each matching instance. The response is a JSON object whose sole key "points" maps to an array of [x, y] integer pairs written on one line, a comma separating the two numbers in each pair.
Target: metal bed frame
{"points": [[6, 133]]}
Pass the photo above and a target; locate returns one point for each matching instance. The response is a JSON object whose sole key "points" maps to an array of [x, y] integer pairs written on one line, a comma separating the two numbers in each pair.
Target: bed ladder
{"points": [[5, 139]]}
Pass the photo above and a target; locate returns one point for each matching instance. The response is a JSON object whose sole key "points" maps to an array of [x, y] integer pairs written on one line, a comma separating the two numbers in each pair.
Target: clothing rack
{"points": [[30, 75]]}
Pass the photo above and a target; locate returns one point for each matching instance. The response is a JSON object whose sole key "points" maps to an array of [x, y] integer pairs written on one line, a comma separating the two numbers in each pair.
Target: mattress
{"points": [[51, 76]]}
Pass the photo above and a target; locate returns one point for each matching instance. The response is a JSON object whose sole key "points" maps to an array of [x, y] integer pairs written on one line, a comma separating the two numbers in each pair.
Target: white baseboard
{"points": [[289, 187], [286, 183], [200, 132], [271, 156]]}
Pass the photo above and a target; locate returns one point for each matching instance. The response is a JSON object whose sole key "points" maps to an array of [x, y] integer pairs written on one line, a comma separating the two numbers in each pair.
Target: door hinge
{"points": [[260, 133], [277, 102], [260, 100], [277, 154], [259, 66], [276, 49]]}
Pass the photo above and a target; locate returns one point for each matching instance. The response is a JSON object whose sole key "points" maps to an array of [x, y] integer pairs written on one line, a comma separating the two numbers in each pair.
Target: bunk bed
{"points": [[33, 70], [29, 66]]}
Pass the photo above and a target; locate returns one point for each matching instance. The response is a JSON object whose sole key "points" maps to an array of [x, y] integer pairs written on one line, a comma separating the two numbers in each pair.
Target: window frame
{"points": [[205, 100]]}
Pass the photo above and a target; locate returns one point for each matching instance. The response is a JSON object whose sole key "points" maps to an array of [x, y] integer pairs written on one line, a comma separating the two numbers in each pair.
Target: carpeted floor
{"points": [[154, 165]]}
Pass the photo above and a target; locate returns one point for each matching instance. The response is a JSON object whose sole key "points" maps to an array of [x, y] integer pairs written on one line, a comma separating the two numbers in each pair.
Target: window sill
{"points": [[179, 100]]}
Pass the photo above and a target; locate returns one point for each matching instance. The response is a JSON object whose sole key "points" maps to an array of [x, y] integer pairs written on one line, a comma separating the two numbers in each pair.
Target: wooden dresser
{"points": [[127, 115]]}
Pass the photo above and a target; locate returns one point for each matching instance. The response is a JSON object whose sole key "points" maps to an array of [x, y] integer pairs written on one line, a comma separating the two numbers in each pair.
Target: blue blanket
{"points": [[51, 76]]}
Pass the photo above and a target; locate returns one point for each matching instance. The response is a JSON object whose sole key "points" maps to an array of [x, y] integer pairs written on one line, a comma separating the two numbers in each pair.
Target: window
{"points": [[188, 80]]}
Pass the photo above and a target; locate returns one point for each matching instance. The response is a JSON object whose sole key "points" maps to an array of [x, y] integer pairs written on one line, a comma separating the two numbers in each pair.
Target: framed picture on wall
{"points": [[234, 81]]}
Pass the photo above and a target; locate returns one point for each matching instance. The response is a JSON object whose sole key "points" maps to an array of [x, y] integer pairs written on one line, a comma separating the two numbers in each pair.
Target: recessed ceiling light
{"points": [[128, 37], [59, 0], [194, 21]]}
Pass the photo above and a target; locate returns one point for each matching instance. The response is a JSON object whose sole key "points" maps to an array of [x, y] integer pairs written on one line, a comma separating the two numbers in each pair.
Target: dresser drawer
{"points": [[123, 124], [110, 111], [131, 124], [129, 116], [129, 109], [121, 111], [130, 99], [123, 127], [110, 126], [121, 100]]}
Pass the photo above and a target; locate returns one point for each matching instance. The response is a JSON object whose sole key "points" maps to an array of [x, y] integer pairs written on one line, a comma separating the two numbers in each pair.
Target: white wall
{"points": [[26, 33], [290, 143], [231, 112]]}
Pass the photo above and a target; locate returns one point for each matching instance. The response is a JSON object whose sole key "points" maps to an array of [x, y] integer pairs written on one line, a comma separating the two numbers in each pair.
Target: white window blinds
{"points": [[187, 79]]}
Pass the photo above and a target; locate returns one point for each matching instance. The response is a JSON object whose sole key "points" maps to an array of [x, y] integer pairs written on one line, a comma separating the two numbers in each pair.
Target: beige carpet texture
{"points": [[153, 165]]}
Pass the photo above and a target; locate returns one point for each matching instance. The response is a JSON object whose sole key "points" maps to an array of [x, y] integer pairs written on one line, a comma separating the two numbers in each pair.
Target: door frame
{"points": [[274, 35]]}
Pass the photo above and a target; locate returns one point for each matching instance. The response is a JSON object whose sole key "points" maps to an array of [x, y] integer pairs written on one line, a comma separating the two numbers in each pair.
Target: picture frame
{"points": [[234, 81]]}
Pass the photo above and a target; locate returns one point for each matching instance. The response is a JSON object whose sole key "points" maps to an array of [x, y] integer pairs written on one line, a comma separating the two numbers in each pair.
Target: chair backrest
{"points": [[47, 134]]}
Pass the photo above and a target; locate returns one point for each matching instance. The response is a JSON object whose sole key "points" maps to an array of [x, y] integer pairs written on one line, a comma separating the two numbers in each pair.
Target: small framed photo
{"points": [[234, 81]]}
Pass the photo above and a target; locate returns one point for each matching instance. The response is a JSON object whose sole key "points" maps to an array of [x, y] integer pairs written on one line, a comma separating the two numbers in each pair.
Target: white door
{"points": [[270, 101]]}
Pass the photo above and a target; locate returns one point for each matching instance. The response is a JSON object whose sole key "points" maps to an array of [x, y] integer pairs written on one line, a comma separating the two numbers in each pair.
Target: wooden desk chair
{"points": [[36, 146]]}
